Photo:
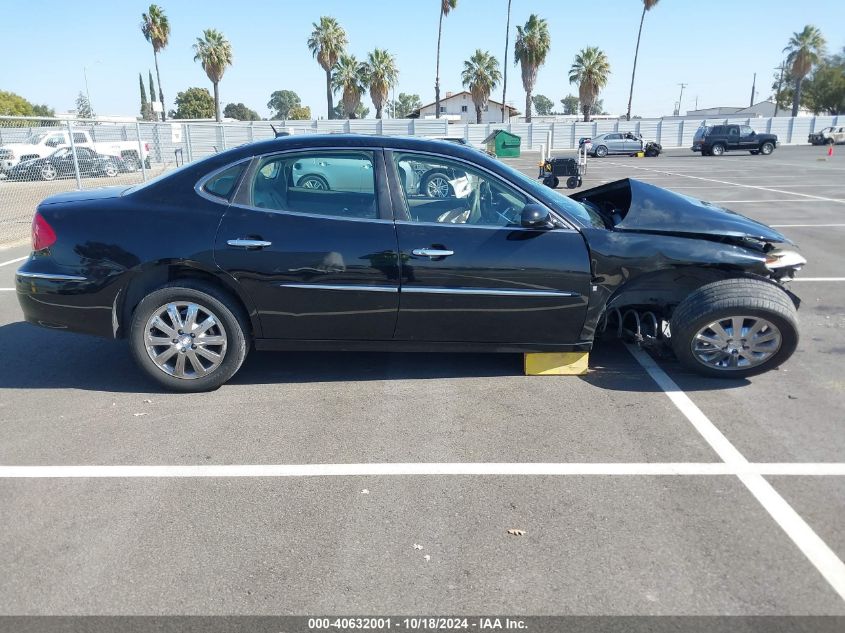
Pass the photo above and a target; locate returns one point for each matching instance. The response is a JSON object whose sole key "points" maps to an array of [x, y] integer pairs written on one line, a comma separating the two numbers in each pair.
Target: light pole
{"points": [[781, 68], [680, 97], [85, 75]]}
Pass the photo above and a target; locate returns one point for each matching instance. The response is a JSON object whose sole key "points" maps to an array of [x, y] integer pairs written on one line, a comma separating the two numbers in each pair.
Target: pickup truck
{"points": [[42, 144], [717, 139]]}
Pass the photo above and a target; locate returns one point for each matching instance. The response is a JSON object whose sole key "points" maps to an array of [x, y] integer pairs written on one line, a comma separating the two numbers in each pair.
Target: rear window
{"points": [[223, 184], [717, 129]]}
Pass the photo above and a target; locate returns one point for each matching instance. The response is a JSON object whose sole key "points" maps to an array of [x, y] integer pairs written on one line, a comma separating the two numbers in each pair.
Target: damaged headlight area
{"points": [[784, 263]]}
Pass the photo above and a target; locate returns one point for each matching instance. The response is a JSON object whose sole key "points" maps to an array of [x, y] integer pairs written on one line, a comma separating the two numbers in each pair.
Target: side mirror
{"points": [[535, 216]]}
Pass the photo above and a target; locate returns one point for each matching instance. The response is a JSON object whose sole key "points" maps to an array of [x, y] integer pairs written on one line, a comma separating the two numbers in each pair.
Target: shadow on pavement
{"points": [[37, 358]]}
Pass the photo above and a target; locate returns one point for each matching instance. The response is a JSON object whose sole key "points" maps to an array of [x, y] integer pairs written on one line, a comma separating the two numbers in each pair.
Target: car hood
{"points": [[653, 209], [86, 194]]}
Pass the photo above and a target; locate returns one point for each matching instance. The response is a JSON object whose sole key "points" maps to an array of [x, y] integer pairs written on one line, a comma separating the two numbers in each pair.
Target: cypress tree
{"points": [[145, 107]]}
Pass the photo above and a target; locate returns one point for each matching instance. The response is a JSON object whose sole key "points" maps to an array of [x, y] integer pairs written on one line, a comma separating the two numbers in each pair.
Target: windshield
{"points": [[35, 139]]}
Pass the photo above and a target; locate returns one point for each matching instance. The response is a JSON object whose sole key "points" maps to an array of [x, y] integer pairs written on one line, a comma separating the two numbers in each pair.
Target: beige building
{"points": [[457, 107]]}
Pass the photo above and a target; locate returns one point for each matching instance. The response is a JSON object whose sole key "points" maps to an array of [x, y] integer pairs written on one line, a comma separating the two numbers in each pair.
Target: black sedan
{"points": [[204, 263], [59, 164]]}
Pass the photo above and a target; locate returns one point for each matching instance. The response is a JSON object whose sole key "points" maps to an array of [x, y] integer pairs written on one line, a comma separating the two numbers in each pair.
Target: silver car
{"points": [[615, 143]]}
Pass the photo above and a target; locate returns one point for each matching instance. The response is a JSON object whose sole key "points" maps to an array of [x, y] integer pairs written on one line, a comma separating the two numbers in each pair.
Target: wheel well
{"points": [[145, 282]]}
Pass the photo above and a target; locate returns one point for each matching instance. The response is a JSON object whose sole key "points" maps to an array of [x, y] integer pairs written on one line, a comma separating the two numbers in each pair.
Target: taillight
{"points": [[146, 147], [43, 235]]}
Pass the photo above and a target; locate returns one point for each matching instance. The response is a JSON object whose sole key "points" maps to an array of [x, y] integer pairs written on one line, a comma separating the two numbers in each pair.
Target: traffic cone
{"points": [[830, 151]]}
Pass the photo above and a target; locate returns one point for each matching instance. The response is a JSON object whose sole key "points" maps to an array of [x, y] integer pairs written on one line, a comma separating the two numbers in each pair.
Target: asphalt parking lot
{"points": [[386, 483]]}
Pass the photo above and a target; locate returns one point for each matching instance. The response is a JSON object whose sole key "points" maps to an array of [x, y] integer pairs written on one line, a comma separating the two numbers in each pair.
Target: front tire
{"points": [[735, 328], [767, 148], [48, 172], [189, 336], [601, 151]]}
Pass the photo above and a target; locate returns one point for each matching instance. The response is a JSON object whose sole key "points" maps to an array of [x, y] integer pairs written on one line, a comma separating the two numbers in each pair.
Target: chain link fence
{"points": [[40, 157]]}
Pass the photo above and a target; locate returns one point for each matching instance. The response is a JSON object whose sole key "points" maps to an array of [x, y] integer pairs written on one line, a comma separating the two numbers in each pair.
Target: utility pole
{"points": [[696, 102], [505, 82], [781, 68], [680, 97], [753, 90]]}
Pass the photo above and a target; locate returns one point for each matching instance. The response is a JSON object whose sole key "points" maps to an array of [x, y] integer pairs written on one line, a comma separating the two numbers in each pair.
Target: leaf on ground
{"points": [[417, 546], [138, 415], [427, 557], [515, 532], [365, 492]]}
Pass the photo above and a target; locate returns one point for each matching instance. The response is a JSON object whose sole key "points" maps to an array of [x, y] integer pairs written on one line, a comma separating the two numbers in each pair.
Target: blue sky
{"points": [[681, 43]]}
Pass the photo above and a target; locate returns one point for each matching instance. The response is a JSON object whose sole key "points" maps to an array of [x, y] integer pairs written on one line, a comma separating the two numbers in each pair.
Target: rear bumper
{"points": [[65, 299]]}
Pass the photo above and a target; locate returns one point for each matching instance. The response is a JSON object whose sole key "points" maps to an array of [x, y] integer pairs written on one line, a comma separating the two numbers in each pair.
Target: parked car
{"points": [[42, 144], [827, 136], [717, 139], [507, 265], [627, 143], [59, 164]]}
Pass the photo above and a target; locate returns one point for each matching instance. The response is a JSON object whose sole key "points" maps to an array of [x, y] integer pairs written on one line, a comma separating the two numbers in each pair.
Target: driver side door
{"points": [[469, 271]]}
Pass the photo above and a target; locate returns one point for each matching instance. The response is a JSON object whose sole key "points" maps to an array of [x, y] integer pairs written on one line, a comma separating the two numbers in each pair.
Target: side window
{"points": [[745, 130], [55, 141], [332, 183], [79, 138], [444, 191], [733, 131], [223, 184]]}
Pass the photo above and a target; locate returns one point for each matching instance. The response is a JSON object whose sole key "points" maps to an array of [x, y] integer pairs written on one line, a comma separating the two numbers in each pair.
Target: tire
{"points": [[754, 152], [229, 333], [436, 185], [752, 300], [572, 182], [600, 151], [48, 172], [829, 141], [767, 148], [131, 161], [705, 152], [717, 150], [313, 181], [110, 170], [551, 181]]}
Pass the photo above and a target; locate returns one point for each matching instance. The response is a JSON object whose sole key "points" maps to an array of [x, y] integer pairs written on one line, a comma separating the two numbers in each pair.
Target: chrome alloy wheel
{"points": [[185, 340], [437, 187], [736, 342]]}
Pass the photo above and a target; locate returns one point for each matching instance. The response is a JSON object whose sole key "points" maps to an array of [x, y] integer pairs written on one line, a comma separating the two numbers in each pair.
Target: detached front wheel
{"points": [[735, 328], [188, 336]]}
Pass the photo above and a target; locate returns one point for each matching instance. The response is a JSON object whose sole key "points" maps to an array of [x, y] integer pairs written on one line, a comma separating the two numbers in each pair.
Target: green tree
{"points": [[194, 103], [648, 5], [240, 112], [361, 111], [805, 50], [282, 102], [327, 43], [446, 7], [42, 110], [570, 104], [349, 78], [12, 104], [153, 115], [542, 104], [83, 107], [300, 113], [145, 106], [590, 71], [403, 105], [530, 50], [381, 74], [481, 76], [156, 29], [214, 52], [824, 92], [597, 107]]}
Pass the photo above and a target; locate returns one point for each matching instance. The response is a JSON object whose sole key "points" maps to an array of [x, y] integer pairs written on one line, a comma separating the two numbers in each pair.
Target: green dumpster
{"points": [[503, 144]]}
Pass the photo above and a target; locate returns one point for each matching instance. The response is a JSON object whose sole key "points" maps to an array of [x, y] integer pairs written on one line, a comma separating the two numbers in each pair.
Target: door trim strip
{"points": [[341, 287], [507, 292]]}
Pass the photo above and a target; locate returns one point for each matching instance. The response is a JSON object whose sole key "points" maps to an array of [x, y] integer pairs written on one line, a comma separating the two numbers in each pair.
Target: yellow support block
{"points": [[556, 364], [640, 154]]}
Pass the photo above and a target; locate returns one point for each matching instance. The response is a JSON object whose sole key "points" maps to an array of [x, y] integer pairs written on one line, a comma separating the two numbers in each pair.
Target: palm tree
{"points": [[648, 5], [349, 76], [445, 7], [505, 65], [381, 74], [530, 50], [327, 43], [214, 52], [481, 75], [590, 71], [805, 49], [156, 28]]}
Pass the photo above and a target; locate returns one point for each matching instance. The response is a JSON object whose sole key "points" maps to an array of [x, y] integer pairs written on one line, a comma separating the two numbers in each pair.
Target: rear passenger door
{"points": [[319, 263], [733, 138], [747, 137]]}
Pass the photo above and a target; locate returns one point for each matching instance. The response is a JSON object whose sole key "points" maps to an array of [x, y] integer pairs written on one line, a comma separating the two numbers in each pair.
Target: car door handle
{"points": [[248, 243], [432, 252]]}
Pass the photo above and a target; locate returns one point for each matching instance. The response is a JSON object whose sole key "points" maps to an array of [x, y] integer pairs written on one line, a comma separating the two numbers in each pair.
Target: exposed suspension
{"points": [[646, 329]]}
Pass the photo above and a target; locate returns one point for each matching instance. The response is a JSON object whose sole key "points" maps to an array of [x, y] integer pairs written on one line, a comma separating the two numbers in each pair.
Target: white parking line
{"points": [[736, 184], [777, 200], [416, 469], [795, 226], [819, 279], [14, 261], [7, 289], [814, 548]]}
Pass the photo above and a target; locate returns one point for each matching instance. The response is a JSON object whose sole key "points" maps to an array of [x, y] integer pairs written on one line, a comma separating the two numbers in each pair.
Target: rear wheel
{"points": [[735, 328], [572, 182], [551, 181], [437, 185], [717, 150], [313, 181], [188, 336], [110, 170], [767, 148], [48, 172], [130, 159]]}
